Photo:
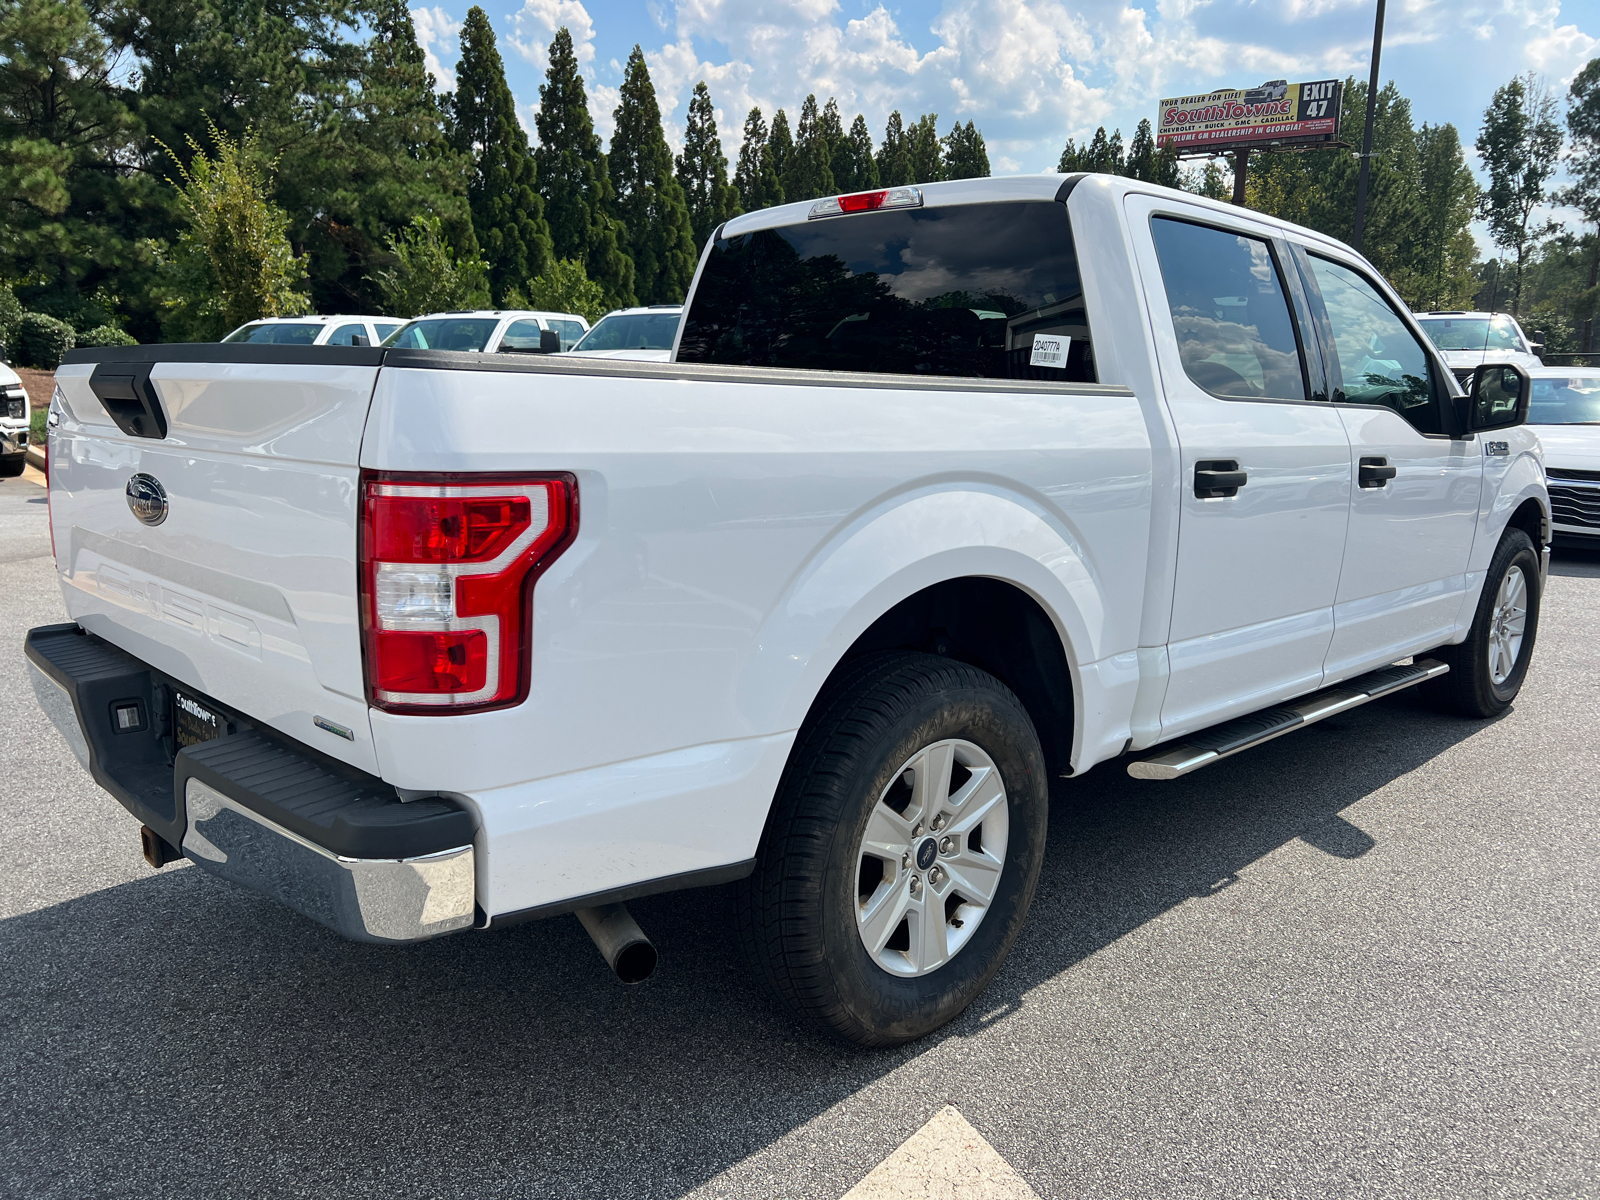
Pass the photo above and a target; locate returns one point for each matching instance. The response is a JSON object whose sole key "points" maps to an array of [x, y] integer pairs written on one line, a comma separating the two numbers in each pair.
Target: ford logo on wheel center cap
{"points": [[926, 853], [147, 499]]}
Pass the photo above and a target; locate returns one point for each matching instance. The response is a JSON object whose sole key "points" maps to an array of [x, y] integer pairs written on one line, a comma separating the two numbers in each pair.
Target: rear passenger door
{"points": [[1414, 506], [1266, 464]]}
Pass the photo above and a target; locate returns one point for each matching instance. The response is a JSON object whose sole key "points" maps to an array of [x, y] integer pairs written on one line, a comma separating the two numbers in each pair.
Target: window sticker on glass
{"points": [[1049, 351]]}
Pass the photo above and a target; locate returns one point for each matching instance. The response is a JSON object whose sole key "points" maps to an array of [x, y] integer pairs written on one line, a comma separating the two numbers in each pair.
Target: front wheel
{"points": [[903, 849], [1487, 670]]}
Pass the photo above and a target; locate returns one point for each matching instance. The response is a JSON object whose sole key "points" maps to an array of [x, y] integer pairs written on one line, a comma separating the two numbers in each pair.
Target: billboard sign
{"points": [[1274, 112]]}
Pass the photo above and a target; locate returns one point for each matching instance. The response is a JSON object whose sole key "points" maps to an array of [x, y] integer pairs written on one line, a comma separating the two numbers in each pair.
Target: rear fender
{"points": [[901, 547]]}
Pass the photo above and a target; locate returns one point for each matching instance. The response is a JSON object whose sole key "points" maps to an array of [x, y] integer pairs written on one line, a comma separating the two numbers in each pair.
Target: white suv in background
{"points": [[639, 334], [1565, 413], [489, 331], [1468, 339], [316, 331], [14, 417]]}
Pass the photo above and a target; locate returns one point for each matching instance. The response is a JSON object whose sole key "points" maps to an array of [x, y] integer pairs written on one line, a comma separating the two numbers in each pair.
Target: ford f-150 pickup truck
{"points": [[947, 492]]}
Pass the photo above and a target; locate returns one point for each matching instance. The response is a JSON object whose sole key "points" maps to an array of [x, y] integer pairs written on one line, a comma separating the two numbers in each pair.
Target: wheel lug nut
{"points": [[916, 830], [938, 823], [905, 861], [936, 876], [947, 846], [916, 884]]}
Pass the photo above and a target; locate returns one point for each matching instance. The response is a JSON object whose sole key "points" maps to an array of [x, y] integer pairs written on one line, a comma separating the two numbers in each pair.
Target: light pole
{"points": [[1366, 138]]}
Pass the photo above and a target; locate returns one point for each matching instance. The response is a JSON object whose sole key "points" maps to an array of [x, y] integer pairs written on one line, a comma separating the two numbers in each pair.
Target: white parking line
{"points": [[947, 1159]]}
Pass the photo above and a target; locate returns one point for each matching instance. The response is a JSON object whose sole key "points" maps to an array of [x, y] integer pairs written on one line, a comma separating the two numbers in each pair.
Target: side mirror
{"points": [[549, 341], [1497, 397]]}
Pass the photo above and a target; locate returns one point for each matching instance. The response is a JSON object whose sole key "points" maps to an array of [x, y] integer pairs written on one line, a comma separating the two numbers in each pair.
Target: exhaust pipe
{"points": [[158, 852], [621, 942]]}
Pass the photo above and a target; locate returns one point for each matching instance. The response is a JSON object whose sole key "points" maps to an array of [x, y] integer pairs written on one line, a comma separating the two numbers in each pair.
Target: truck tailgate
{"points": [[240, 576]]}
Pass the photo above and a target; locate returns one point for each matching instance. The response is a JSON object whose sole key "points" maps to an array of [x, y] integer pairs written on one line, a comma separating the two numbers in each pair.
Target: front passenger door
{"points": [[1414, 506]]}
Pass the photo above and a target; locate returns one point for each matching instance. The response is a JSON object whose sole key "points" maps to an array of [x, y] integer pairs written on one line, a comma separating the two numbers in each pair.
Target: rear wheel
{"points": [[1487, 670], [903, 849], [12, 466]]}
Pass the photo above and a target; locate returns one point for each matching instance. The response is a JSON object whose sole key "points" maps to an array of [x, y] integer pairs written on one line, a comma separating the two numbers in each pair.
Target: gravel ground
{"points": [[1360, 961]]}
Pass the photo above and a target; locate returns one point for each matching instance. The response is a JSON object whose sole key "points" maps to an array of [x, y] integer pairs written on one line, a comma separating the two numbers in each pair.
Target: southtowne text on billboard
{"points": [[1281, 112]]}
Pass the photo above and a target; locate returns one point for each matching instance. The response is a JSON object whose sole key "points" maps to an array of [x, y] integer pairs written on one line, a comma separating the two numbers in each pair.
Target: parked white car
{"points": [[492, 331], [15, 414], [315, 331], [1565, 412], [637, 334], [1469, 339], [1100, 472]]}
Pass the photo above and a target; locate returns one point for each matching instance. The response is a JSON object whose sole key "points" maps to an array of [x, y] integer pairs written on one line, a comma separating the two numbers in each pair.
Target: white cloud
{"points": [[1562, 51], [439, 34]]}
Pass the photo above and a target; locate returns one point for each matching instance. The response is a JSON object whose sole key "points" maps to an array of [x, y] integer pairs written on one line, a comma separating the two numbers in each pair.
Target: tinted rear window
{"points": [[961, 290], [446, 333]]}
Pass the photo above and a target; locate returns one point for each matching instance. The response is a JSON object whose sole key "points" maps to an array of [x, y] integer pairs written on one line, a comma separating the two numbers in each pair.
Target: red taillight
{"points": [[859, 202], [447, 572], [862, 201]]}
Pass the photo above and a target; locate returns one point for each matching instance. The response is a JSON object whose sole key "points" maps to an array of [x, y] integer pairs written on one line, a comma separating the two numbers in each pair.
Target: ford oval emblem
{"points": [[147, 499]]}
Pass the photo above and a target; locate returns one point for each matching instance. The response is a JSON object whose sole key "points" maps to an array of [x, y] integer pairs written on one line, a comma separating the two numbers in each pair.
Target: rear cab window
{"points": [[963, 290], [446, 333]]}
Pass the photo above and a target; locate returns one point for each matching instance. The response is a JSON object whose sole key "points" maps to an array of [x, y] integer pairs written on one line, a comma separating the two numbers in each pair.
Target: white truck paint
{"points": [[741, 528]]}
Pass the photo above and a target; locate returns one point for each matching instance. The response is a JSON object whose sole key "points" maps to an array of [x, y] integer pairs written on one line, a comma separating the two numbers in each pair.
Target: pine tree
{"points": [[894, 154], [809, 172], [854, 169], [507, 211], [754, 178], [833, 134], [924, 150], [650, 203], [574, 178], [965, 154], [1096, 155], [703, 169], [779, 153], [1141, 161], [1071, 159]]}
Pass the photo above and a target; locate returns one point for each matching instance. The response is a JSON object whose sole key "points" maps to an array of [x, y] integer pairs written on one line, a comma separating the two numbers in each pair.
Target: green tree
{"points": [[1521, 145], [854, 168], [965, 154], [1583, 127], [809, 172], [833, 134], [564, 287], [703, 169], [1141, 160], [755, 179], [894, 154], [1447, 198], [65, 139], [507, 211], [234, 261], [925, 151], [779, 151], [425, 275], [575, 180], [655, 217]]}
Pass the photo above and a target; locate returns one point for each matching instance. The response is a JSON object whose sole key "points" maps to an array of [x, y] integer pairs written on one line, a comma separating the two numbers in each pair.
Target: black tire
{"points": [[797, 913], [1470, 688], [13, 466]]}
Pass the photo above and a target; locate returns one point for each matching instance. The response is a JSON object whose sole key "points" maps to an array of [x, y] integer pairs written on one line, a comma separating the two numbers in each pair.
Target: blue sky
{"points": [[1030, 73]]}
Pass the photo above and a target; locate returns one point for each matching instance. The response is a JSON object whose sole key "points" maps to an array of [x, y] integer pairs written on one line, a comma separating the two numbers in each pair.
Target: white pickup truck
{"points": [[947, 492]]}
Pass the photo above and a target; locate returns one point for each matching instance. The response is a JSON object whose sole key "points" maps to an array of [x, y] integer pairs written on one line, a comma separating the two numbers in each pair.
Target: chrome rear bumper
{"points": [[366, 899]]}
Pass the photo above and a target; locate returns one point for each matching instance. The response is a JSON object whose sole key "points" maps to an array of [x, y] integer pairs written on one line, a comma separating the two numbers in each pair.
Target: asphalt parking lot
{"points": [[1359, 961]]}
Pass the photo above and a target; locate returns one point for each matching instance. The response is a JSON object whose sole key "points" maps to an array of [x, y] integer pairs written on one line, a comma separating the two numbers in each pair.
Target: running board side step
{"points": [[1222, 741]]}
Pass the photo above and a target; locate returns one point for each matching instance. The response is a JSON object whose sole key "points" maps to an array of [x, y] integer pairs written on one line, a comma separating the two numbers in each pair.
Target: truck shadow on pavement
{"points": [[176, 1037]]}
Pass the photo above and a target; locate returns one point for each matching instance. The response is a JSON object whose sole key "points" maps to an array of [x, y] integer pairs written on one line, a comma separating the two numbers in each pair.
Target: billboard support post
{"points": [[1241, 173], [1365, 175]]}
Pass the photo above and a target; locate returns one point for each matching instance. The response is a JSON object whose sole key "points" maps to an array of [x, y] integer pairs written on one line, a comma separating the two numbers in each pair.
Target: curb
{"points": [[36, 459]]}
